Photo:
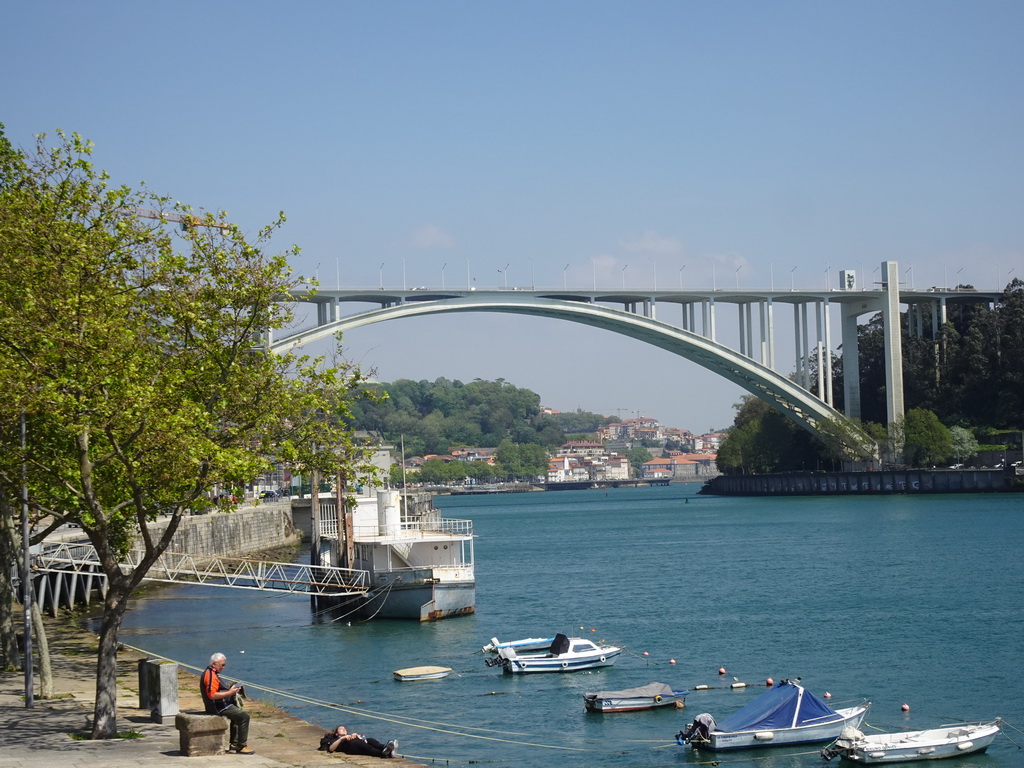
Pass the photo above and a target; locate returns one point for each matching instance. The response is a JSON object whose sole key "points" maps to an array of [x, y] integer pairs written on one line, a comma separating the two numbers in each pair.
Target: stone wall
{"points": [[244, 531]]}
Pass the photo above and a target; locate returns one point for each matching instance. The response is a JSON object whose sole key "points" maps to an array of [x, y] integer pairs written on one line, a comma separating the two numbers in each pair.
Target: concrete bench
{"points": [[200, 735]]}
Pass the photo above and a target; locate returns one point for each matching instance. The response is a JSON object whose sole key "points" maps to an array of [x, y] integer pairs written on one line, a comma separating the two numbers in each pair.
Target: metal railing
{"points": [[450, 526], [238, 573]]}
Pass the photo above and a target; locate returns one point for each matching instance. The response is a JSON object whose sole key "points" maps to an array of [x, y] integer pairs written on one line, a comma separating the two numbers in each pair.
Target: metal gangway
{"points": [[76, 570]]}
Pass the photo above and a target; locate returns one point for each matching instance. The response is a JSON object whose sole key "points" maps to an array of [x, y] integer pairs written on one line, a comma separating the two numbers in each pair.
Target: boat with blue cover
{"points": [[786, 713]]}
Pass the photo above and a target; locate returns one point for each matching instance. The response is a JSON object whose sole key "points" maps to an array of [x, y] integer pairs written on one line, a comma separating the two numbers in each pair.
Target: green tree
{"points": [[133, 352], [964, 444], [637, 458], [926, 440]]}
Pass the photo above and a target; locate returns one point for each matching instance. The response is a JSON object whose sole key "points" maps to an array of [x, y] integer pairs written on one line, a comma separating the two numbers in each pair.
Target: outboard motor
{"points": [[698, 732]]}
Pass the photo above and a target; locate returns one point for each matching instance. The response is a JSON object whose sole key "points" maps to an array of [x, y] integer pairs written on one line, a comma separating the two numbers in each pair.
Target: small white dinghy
{"points": [[901, 747], [422, 673]]}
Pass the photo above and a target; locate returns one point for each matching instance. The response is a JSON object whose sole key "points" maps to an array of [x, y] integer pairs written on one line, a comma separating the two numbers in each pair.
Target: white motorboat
{"points": [[526, 644], [647, 696], [901, 747], [565, 654], [784, 714]]}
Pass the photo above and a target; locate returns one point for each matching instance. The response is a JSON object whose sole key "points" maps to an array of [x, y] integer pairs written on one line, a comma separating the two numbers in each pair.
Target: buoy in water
{"points": [[769, 682], [646, 653], [721, 670], [671, 661], [905, 707], [828, 695]]}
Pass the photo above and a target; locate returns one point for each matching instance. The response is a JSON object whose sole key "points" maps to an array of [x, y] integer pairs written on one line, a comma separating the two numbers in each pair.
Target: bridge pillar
{"points": [[893, 343], [851, 364]]}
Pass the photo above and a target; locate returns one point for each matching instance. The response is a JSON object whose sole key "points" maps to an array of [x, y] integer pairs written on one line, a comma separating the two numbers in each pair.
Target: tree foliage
{"points": [[434, 417], [132, 350]]}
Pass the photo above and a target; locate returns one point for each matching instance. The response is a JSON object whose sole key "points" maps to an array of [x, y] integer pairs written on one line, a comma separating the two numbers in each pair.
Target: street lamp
{"points": [[404, 288], [738, 276], [654, 263], [382, 275], [565, 285], [504, 274], [957, 278], [442, 274], [624, 268], [791, 288], [681, 276]]}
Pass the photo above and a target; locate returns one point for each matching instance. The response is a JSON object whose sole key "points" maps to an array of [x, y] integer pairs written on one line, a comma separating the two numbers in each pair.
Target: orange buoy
{"points": [[721, 670], [769, 682], [646, 653], [905, 707]]}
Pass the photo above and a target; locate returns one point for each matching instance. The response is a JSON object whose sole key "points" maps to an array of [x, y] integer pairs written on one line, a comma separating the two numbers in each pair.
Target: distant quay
{"points": [[867, 483]]}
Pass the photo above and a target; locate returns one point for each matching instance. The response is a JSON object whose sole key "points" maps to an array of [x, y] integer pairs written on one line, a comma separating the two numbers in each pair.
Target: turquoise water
{"points": [[916, 600]]}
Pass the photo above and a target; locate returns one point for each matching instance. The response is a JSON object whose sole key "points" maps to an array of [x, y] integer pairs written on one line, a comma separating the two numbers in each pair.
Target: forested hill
{"points": [[432, 417]]}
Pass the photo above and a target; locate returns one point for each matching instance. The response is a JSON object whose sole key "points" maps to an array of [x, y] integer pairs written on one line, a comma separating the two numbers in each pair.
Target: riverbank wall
{"points": [[866, 483], [243, 531]]}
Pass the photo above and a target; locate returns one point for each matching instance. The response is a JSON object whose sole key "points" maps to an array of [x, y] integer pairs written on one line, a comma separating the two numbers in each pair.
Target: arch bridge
{"points": [[752, 365]]}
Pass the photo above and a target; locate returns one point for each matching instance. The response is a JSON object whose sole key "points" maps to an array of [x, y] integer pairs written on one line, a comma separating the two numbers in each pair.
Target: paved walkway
{"points": [[40, 737]]}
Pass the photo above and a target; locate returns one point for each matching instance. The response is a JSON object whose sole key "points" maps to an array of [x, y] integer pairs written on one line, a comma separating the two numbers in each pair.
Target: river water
{"points": [[898, 599]]}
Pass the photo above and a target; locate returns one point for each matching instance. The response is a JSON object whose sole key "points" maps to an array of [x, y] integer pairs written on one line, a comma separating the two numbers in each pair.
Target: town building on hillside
{"points": [[581, 448]]}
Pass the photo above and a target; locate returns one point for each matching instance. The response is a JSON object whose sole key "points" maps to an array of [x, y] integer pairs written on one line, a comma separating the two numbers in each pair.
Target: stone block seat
{"points": [[201, 734]]}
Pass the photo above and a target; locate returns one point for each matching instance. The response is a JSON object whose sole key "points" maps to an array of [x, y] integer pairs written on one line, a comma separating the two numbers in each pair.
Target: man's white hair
{"points": [[218, 657]]}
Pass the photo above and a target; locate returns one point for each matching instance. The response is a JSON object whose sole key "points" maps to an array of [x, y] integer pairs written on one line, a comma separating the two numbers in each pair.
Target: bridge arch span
{"points": [[778, 391]]}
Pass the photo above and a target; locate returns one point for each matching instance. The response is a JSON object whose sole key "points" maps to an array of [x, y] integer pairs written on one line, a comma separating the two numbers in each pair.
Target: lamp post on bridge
{"points": [[442, 274], [624, 268], [791, 285], [565, 285], [382, 275], [681, 276]]}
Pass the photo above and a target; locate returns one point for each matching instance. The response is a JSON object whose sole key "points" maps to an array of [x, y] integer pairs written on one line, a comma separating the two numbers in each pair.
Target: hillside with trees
{"points": [[435, 417]]}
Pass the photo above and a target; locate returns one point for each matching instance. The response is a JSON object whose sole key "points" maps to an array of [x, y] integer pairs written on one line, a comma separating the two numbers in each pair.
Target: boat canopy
{"points": [[559, 645], [786, 705]]}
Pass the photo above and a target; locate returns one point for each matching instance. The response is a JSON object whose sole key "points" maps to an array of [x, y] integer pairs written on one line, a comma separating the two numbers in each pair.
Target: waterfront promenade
{"points": [[41, 737]]}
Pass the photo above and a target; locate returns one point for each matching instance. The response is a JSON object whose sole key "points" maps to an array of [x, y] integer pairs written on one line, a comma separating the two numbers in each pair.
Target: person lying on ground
{"points": [[340, 740]]}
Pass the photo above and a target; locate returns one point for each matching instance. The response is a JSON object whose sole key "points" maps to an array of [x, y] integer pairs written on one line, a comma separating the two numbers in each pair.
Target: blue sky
{"points": [[633, 141]]}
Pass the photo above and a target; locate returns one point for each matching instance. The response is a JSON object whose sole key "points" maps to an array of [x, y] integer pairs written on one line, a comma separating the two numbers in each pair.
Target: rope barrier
{"points": [[383, 717]]}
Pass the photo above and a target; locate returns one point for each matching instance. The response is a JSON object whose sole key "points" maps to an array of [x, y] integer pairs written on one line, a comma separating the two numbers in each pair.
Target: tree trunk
{"points": [[42, 647], [9, 655], [104, 724]]}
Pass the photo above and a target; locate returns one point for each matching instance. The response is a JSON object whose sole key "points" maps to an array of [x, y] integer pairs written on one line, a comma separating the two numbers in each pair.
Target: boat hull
{"points": [[721, 741], [421, 673], [526, 664], [632, 704], [422, 602], [914, 746]]}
